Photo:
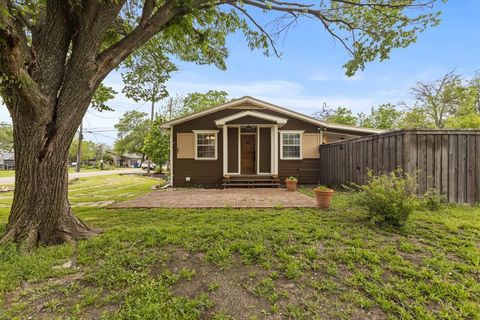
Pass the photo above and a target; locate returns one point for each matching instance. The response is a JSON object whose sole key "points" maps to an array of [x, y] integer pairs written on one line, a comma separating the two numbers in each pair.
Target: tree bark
{"points": [[41, 212]]}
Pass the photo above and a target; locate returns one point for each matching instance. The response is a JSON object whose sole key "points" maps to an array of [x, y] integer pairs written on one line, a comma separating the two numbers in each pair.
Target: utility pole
{"points": [[170, 107], [151, 127], [79, 150], [101, 156]]}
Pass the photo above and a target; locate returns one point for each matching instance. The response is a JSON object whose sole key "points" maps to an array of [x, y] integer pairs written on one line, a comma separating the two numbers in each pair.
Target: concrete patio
{"points": [[220, 198]]}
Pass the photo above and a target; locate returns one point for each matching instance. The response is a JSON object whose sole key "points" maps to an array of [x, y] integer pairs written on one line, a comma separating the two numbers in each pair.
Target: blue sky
{"points": [[310, 70]]}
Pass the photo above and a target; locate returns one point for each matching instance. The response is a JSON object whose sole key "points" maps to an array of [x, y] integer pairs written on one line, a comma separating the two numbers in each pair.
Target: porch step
{"points": [[251, 182]]}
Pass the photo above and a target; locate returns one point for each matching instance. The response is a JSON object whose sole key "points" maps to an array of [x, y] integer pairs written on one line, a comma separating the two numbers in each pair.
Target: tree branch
{"points": [[116, 53], [147, 11], [13, 72], [262, 30]]}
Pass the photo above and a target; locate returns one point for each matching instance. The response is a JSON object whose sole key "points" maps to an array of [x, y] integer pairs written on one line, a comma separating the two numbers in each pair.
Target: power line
{"points": [[101, 130], [101, 135], [115, 117], [104, 117]]}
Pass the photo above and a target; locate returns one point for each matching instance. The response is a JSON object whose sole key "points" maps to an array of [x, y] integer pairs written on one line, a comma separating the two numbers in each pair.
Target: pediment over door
{"points": [[252, 116]]}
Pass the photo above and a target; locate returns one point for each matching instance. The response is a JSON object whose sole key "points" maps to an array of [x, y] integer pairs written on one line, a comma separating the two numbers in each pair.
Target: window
{"points": [[205, 145], [291, 145]]}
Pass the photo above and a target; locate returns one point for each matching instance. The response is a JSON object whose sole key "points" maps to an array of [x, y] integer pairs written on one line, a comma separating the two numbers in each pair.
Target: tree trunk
{"points": [[41, 212]]}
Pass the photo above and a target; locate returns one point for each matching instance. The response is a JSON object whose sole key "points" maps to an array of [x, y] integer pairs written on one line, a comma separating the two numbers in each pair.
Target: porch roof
{"points": [[271, 118]]}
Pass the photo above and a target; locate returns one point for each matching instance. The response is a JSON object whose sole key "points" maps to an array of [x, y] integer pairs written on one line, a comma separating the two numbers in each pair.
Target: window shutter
{"points": [[310, 144], [185, 145]]}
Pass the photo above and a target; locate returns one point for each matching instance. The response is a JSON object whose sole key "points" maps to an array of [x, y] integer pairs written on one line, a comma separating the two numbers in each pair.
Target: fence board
{"points": [[444, 166], [437, 170], [452, 168], [422, 163], [470, 154], [477, 165], [461, 158]]}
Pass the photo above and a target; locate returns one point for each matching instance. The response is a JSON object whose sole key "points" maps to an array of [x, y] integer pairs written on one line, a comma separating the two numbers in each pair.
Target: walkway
{"points": [[220, 198]]}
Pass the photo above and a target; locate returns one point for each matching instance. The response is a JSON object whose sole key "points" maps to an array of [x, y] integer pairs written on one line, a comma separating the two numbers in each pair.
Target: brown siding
{"points": [[265, 150], [232, 149], [306, 170], [250, 120], [201, 172]]}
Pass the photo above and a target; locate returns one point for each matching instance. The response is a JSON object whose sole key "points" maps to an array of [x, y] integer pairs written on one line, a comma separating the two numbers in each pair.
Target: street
{"points": [[73, 175]]}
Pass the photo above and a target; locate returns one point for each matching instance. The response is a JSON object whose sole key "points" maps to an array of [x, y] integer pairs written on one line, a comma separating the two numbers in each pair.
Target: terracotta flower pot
{"points": [[291, 185], [323, 197]]}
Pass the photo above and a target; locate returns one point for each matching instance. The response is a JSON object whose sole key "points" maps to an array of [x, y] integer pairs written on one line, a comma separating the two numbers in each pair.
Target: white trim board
{"points": [[259, 115], [281, 132]]}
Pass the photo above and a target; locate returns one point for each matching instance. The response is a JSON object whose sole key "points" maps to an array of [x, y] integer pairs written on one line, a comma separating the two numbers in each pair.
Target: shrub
{"points": [[389, 198], [322, 188], [432, 200]]}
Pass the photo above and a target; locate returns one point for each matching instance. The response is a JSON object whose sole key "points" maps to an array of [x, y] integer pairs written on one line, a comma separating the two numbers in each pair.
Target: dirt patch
{"points": [[41, 296], [226, 288], [220, 198]]}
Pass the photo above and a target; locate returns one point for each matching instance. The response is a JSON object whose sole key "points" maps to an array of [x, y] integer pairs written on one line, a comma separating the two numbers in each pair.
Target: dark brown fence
{"points": [[447, 160]]}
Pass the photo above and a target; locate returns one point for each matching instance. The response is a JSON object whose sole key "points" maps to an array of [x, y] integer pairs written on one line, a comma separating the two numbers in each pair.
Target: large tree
{"points": [[385, 116], [55, 53], [157, 143], [439, 99], [183, 105], [448, 102], [132, 128], [342, 115]]}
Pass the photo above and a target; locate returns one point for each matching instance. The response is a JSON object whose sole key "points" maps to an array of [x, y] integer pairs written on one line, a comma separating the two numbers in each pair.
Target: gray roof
{"points": [[7, 156]]}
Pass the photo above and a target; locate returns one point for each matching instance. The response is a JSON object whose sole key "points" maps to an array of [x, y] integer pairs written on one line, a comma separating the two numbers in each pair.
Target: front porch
{"points": [[250, 144]]}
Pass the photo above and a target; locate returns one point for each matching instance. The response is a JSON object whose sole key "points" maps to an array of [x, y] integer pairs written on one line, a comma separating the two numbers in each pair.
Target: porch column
{"points": [[275, 150], [225, 149]]}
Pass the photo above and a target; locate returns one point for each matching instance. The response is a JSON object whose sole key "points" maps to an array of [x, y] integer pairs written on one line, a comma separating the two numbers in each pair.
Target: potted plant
{"points": [[323, 196], [291, 183]]}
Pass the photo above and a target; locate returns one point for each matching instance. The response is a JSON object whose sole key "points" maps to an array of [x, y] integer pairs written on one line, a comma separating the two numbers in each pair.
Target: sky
{"points": [[310, 71]]}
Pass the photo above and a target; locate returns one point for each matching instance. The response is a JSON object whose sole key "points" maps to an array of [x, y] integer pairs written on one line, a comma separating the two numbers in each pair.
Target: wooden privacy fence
{"points": [[447, 160]]}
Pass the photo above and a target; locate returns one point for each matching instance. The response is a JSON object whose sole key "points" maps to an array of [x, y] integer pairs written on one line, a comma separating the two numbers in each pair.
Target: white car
{"points": [[145, 166]]}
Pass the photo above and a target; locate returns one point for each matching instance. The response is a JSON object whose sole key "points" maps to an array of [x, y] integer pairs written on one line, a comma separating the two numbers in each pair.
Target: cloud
{"points": [[237, 89], [333, 76], [310, 104]]}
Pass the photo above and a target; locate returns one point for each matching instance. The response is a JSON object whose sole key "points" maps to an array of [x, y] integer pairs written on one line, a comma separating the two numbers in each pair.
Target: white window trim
{"points": [[216, 143], [281, 144]]}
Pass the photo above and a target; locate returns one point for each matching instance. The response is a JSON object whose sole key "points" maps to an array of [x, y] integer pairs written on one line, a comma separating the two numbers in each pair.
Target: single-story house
{"points": [[130, 160], [7, 161], [248, 137]]}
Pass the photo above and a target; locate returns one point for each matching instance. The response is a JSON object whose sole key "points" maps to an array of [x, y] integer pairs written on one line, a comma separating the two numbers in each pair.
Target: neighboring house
{"points": [[7, 161], [129, 160], [250, 137]]}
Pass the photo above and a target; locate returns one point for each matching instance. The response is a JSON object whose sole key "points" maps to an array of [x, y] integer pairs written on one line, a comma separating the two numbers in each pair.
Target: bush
{"points": [[389, 198], [432, 200]]}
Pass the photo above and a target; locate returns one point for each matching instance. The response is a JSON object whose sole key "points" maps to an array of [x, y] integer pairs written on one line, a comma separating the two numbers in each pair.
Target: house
{"points": [[248, 137], [130, 160], [7, 161]]}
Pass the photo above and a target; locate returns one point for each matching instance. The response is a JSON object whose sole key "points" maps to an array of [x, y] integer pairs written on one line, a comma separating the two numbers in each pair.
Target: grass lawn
{"points": [[7, 173], [245, 264]]}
